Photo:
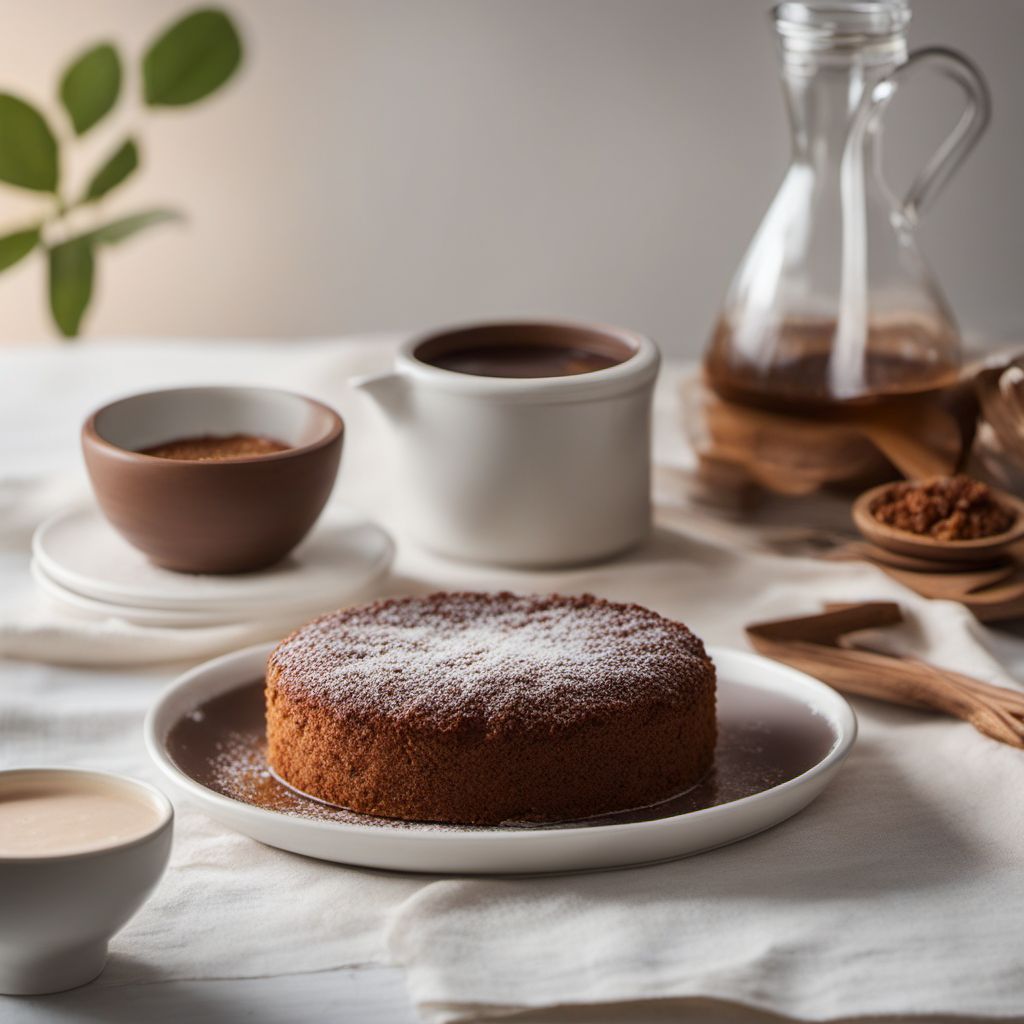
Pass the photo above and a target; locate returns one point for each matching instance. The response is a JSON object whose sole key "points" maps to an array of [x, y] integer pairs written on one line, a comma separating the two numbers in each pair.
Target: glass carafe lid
{"points": [[833, 301]]}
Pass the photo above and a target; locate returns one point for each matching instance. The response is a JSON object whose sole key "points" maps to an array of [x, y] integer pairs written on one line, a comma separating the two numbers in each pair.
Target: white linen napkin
{"points": [[40, 633]]}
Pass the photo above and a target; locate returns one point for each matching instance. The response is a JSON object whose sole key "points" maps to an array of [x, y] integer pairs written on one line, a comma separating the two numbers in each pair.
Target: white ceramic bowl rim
{"points": [[633, 373], [840, 717], [159, 800], [327, 422]]}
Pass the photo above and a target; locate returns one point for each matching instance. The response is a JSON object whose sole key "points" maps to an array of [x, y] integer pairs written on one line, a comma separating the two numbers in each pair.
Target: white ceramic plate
{"points": [[88, 607], [770, 716], [79, 550], [68, 602]]}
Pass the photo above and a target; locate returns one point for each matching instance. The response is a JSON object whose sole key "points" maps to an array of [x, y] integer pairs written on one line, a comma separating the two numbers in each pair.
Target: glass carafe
{"points": [[833, 303]]}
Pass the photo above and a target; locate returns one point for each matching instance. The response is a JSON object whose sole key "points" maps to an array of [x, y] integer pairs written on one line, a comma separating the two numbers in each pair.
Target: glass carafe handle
{"points": [[960, 141]]}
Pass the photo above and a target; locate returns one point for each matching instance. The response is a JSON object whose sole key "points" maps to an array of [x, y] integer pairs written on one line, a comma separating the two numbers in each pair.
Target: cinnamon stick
{"points": [[818, 645]]}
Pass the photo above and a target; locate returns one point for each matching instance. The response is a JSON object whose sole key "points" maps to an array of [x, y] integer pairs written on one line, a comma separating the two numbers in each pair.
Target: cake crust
{"points": [[489, 708]]}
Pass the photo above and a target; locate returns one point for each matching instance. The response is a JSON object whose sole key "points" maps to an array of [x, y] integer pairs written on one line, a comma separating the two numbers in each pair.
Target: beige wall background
{"points": [[387, 164]]}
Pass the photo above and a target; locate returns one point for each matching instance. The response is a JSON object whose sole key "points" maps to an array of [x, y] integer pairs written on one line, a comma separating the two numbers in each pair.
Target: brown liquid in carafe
{"points": [[901, 362], [523, 361]]}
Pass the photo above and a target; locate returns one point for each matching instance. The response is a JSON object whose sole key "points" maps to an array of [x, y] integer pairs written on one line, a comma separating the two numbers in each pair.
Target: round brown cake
{"points": [[489, 708]]}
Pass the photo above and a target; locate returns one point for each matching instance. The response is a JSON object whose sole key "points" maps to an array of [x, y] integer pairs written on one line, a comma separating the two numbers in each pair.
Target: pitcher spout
{"points": [[389, 390]]}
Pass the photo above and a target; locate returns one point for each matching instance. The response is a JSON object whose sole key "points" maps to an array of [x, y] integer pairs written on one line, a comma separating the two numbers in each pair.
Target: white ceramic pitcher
{"points": [[530, 472]]}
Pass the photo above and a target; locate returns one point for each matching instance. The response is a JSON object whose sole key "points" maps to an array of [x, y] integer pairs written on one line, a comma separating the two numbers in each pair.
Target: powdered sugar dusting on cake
{"points": [[491, 658]]}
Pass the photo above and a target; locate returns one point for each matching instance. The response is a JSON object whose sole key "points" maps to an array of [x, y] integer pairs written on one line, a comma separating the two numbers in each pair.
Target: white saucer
{"points": [[88, 607], [79, 551], [74, 604], [205, 732]]}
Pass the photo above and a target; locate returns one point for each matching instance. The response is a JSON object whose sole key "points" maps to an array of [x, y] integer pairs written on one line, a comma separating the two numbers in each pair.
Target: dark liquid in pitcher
{"points": [[523, 361], [902, 361]]}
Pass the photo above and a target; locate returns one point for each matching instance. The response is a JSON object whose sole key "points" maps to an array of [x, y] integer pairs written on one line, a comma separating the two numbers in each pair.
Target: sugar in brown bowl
{"points": [[213, 479], [212, 449]]}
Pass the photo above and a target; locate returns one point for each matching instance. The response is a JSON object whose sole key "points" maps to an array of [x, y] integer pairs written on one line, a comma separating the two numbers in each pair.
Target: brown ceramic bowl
{"points": [[230, 515]]}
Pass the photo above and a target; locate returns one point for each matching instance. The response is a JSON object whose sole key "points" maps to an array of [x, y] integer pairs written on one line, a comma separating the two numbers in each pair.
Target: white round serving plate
{"points": [[451, 850], [78, 550]]}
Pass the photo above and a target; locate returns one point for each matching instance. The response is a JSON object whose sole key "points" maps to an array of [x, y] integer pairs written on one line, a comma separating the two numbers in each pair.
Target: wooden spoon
{"points": [[953, 586], [1001, 394], [920, 440], [989, 596], [817, 644], [860, 550]]}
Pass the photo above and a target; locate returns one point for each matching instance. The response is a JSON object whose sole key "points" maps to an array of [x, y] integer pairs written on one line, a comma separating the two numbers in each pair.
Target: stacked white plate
{"points": [[84, 567]]}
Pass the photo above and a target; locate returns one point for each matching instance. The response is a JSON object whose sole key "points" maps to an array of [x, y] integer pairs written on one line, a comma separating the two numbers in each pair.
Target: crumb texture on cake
{"points": [[483, 708]]}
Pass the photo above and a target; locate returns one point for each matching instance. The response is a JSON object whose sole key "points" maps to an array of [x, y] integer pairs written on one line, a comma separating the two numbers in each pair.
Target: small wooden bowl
{"points": [[982, 550]]}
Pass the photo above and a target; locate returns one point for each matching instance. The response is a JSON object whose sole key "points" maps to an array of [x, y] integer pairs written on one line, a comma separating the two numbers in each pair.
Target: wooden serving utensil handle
{"points": [[815, 644], [918, 437]]}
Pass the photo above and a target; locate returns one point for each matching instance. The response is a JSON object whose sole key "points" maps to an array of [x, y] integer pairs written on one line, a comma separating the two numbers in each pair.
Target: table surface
{"points": [[361, 995], [366, 994]]}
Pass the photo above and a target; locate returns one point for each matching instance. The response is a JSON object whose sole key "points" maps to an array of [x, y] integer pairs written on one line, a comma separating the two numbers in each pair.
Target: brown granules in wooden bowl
{"points": [[946, 508]]}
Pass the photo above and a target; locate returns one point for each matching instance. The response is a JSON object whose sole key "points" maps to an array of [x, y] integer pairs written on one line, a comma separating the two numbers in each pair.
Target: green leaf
{"points": [[120, 164], [122, 228], [71, 265], [70, 283], [28, 150], [194, 57], [90, 86], [17, 246]]}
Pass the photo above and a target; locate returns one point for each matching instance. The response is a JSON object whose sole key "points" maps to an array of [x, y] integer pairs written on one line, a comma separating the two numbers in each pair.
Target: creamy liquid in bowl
{"points": [[52, 818]]}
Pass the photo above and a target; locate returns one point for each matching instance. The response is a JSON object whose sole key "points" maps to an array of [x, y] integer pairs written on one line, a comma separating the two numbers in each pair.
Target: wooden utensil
{"points": [[952, 586], [1000, 392], [818, 645], [998, 597], [786, 454], [984, 549], [920, 439], [861, 550], [924, 435]]}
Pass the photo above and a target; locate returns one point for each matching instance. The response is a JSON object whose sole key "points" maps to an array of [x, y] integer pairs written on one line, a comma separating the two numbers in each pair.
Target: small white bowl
{"points": [[58, 912]]}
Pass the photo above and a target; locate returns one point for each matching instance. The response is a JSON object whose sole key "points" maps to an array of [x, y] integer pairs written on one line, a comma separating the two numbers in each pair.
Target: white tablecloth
{"points": [[899, 891]]}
